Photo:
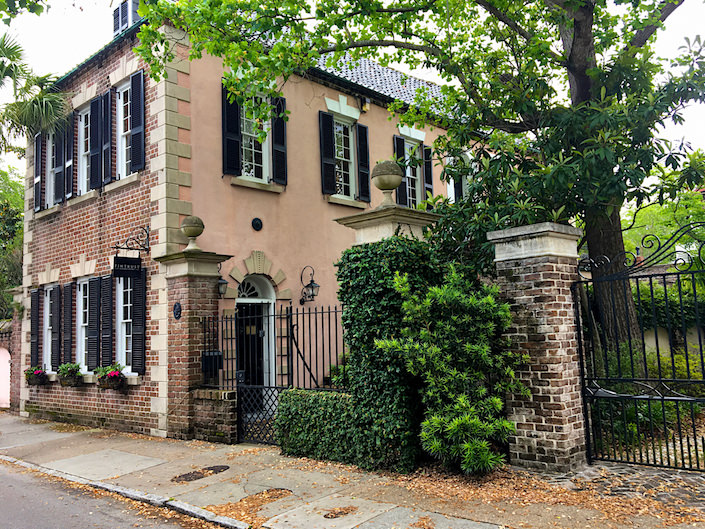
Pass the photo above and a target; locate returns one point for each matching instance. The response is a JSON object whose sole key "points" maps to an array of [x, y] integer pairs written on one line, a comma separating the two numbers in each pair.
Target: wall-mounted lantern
{"points": [[222, 287], [310, 289]]}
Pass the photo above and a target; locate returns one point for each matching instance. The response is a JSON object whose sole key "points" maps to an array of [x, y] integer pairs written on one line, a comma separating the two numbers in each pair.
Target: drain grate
{"points": [[198, 474]]}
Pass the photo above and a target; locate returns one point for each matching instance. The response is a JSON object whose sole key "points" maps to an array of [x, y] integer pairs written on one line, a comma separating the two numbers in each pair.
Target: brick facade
{"points": [[536, 281]]}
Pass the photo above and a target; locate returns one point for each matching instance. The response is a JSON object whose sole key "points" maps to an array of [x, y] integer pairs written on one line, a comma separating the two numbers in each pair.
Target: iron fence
{"points": [[299, 347], [641, 333]]}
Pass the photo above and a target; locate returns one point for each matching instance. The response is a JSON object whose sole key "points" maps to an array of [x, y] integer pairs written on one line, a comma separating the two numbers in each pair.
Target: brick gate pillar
{"points": [[192, 294], [536, 266]]}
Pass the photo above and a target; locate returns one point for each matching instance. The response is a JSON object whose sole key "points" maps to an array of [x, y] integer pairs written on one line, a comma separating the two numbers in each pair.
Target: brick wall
{"points": [[86, 228], [198, 297], [15, 351], [215, 415], [550, 423]]}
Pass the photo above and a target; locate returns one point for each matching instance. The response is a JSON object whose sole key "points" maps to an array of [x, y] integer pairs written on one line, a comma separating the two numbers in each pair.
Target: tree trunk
{"points": [[616, 311]]}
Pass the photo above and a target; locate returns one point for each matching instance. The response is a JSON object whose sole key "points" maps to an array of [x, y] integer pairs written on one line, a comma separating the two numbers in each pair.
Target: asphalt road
{"points": [[32, 501]]}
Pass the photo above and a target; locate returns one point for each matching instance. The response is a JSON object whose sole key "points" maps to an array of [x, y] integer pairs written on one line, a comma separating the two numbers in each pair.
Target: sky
{"points": [[72, 30]]}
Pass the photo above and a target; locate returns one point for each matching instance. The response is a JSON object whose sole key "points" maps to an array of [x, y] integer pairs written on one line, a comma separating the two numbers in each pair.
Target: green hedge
{"points": [[672, 308], [317, 424]]}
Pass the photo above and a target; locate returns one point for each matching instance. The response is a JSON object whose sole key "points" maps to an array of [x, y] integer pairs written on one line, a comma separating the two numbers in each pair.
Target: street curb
{"points": [[152, 499]]}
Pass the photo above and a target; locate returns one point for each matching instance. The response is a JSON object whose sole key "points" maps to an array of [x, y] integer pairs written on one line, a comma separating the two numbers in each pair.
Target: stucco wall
{"points": [[298, 223]]}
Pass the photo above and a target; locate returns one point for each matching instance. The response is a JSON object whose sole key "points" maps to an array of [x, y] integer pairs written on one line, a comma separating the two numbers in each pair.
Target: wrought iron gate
{"points": [[261, 353], [640, 337]]}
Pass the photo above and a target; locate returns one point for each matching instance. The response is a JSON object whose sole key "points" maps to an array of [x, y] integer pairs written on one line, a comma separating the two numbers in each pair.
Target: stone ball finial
{"points": [[192, 227], [387, 176]]}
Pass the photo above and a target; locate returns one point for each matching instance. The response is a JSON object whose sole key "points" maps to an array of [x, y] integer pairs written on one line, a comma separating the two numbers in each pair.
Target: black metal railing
{"points": [[287, 347], [641, 331]]}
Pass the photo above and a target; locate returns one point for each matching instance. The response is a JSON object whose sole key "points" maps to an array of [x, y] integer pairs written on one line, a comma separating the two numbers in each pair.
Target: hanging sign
{"points": [[127, 266]]}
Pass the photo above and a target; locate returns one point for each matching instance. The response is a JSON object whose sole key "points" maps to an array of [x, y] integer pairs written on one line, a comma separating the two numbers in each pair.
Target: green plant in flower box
{"points": [[70, 374], [36, 376], [110, 377]]}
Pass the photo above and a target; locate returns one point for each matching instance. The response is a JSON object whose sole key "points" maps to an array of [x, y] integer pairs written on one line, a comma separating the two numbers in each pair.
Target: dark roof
{"points": [[368, 77], [381, 80]]}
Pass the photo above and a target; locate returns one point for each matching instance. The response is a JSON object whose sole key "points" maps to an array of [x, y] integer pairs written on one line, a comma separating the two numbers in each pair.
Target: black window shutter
{"points": [[400, 155], [58, 168], [116, 19], [37, 173], [107, 137], [458, 188], [139, 323], [106, 320], [95, 143], [123, 15], [363, 163], [34, 326], [137, 131], [427, 170], [93, 322], [68, 162], [55, 294], [68, 322], [279, 141], [327, 136], [232, 137]]}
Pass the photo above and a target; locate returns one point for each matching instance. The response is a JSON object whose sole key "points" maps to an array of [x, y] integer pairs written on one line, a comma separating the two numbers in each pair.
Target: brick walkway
{"points": [[666, 485]]}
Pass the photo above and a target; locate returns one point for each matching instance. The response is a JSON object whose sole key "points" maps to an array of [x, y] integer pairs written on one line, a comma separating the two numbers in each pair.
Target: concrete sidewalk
{"points": [[241, 485]]}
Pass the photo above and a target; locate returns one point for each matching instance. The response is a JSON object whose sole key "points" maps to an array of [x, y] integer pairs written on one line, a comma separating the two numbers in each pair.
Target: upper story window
{"points": [[255, 154], [124, 131], [49, 165], [84, 151], [416, 162], [243, 154], [97, 135], [125, 15], [345, 157]]}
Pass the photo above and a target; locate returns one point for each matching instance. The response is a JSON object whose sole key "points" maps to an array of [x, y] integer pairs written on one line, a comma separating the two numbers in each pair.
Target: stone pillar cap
{"points": [[535, 240]]}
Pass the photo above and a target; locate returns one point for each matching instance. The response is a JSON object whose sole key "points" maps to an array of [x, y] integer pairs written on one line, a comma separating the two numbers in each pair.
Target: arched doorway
{"points": [[255, 333], [4, 378]]}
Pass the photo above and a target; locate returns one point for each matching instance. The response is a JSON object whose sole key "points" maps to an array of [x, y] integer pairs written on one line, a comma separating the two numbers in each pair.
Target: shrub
{"points": [[69, 370], [318, 424], [384, 396], [453, 343]]}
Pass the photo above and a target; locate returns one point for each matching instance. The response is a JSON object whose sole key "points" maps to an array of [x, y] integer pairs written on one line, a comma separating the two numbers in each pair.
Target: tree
{"points": [[11, 207], [558, 99], [37, 106]]}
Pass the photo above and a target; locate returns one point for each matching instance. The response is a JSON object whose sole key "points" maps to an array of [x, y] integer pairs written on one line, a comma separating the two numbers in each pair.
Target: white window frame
{"points": [[124, 135], [352, 161], [414, 172], [46, 327], [121, 323], [248, 132], [84, 151], [49, 171], [82, 316]]}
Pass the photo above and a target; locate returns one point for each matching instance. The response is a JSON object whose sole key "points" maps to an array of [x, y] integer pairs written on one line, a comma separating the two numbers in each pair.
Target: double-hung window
{"points": [[51, 320], [344, 160], [124, 309], [82, 312], [345, 157], [417, 182], [84, 151], [49, 165], [124, 131], [244, 156], [255, 154], [48, 318]]}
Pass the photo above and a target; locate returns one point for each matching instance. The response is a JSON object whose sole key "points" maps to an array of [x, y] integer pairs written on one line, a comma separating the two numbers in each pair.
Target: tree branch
{"points": [[644, 34], [373, 43]]}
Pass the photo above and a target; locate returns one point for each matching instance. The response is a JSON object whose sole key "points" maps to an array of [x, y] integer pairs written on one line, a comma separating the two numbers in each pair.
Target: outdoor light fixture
{"points": [[310, 289], [222, 287]]}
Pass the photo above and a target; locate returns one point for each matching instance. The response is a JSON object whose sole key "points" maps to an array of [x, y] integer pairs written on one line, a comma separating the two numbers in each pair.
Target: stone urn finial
{"points": [[192, 227], [387, 176]]}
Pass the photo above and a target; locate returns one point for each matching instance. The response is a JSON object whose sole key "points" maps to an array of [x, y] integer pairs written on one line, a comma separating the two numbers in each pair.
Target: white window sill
{"points": [[252, 184], [130, 379], [50, 212], [118, 184], [346, 201], [85, 197], [52, 377]]}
